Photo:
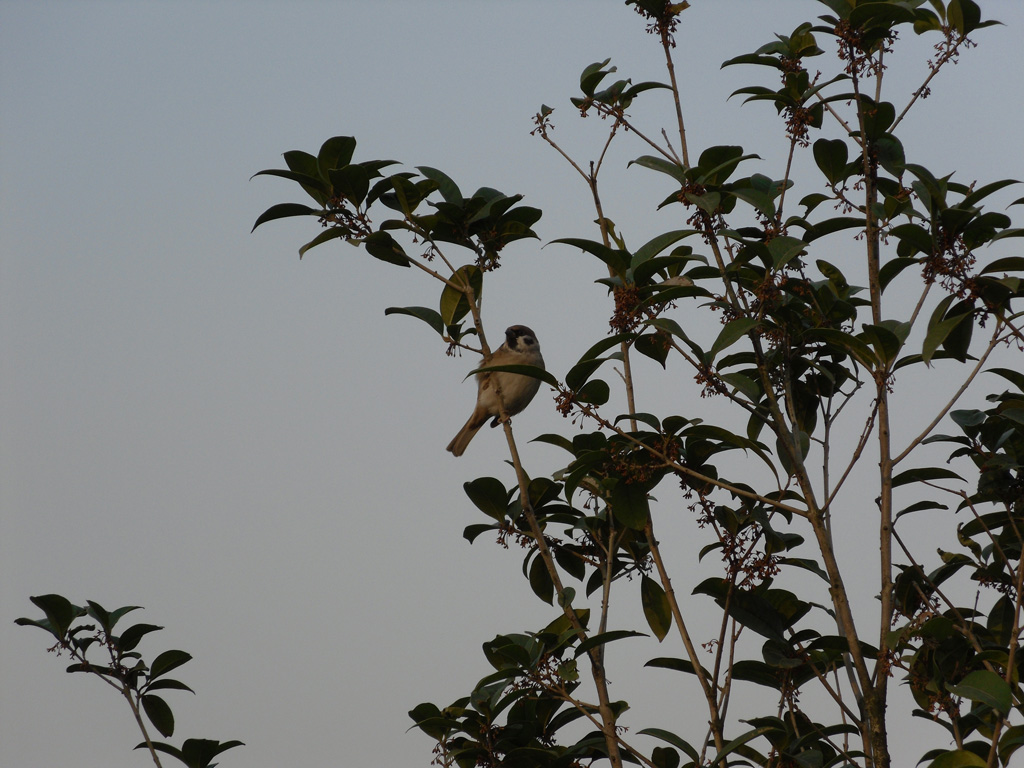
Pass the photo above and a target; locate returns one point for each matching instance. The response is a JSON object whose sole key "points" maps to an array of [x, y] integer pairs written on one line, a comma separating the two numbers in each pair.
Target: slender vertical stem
{"points": [[666, 44]]}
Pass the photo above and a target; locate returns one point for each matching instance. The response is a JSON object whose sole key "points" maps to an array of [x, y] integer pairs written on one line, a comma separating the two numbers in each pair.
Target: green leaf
{"points": [[656, 245], [315, 187], [784, 249], [428, 316], [594, 392], [679, 665], [963, 16], [617, 260], [924, 474], [580, 373], [593, 75], [1011, 741], [334, 153], [629, 504], [733, 331], [159, 714], [671, 326], [736, 743], [1006, 264], [449, 189], [671, 738], [605, 637], [985, 687], [832, 225], [877, 118], [664, 757], [60, 613], [540, 580], [857, 349], [984, 191], [131, 636], [351, 183], [531, 371], [957, 758], [489, 495], [667, 167], [940, 328], [331, 233], [831, 156], [891, 269], [381, 245], [454, 303], [284, 210], [884, 340], [166, 683], [716, 164], [167, 661], [890, 154], [194, 753], [656, 607], [1014, 377], [557, 440], [654, 346]]}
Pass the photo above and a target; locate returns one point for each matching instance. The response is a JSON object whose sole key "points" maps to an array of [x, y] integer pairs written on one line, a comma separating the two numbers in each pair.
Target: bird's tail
{"points": [[459, 443]]}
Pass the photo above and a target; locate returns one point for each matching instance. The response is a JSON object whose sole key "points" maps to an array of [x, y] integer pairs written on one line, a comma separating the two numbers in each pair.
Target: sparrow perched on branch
{"points": [[520, 348]]}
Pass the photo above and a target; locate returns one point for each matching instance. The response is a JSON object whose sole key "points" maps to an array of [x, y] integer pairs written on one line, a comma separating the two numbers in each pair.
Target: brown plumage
{"points": [[520, 348]]}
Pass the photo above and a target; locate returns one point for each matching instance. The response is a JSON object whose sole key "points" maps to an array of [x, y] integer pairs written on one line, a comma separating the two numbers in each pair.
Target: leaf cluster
{"points": [[85, 632]]}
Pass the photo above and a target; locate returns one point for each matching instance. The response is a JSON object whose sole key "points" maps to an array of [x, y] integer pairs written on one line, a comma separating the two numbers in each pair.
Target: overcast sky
{"points": [[194, 421]]}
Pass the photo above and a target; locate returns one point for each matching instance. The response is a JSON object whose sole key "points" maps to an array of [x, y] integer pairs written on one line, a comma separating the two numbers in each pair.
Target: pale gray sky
{"points": [[194, 421]]}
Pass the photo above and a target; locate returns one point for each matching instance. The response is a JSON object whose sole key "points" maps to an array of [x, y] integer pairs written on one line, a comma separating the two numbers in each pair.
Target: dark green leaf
{"points": [[1006, 264], [429, 316], [449, 189], [605, 637], [167, 661], [733, 331], [331, 233], [958, 758], [674, 170], [985, 687], [656, 607], [454, 303], [284, 210], [166, 683], [656, 245], [889, 151], [540, 580], [671, 738], [336, 152], [159, 714], [831, 156], [1014, 377], [630, 505], [891, 269], [784, 249], [381, 245], [924, 474], [679, 665], [617, 260], [594, 392], [737, 743], [60, 613], [654, 346], [131, 636], [489, 495], [830, 226], [530, 371]]}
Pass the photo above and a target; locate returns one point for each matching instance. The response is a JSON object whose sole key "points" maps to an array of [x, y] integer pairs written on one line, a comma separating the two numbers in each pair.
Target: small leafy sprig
{"points": [[122, 667]]}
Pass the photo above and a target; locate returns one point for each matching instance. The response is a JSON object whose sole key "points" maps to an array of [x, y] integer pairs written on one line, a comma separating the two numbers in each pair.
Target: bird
{"points": [[520, 348]]}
